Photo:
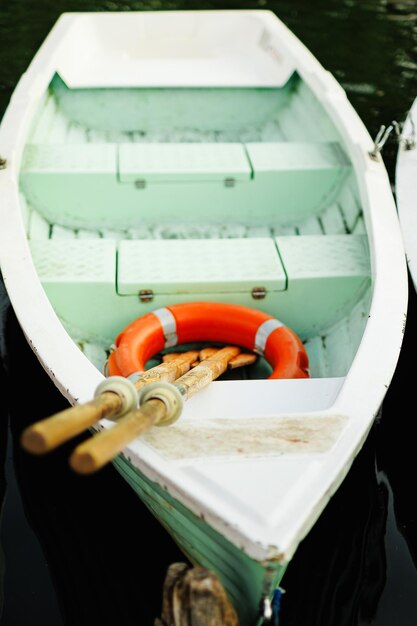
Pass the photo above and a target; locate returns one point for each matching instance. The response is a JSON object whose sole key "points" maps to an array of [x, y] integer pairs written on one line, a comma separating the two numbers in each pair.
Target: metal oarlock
{"points": [[169, 395], [380, 141], [124, 388], [407, 143]]}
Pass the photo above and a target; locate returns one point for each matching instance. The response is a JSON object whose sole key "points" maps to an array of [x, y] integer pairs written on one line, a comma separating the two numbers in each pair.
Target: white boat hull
{"points": [[265, 499]]}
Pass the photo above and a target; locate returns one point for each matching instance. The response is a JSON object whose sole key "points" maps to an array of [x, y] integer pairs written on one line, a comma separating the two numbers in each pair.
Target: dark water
{"points": [[78, 551]]}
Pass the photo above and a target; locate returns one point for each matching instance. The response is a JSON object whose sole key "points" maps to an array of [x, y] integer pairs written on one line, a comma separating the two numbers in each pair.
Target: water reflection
{"points": [[395, 457], [338, 574]]}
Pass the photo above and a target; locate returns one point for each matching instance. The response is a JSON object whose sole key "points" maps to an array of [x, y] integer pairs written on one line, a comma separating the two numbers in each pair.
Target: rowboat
{"points": [[406, 187], [206, 160]]}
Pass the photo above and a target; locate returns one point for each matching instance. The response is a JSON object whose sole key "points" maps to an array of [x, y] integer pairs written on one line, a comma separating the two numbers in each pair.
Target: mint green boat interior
{"points": [[196, 194], [138, 198]]}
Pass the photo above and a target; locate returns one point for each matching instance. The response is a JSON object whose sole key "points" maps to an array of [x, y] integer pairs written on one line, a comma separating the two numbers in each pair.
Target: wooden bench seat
{"points": [[121, 186], [97, 286]]}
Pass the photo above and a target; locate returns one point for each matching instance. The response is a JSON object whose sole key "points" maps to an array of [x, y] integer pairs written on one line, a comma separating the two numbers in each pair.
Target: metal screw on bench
{"points": [[3, 163], [258, 293], [145, 295]]}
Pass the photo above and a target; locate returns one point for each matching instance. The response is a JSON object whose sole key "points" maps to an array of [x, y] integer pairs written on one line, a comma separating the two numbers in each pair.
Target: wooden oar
{"points": [[242, 359], [49, 433], [94, 453]]}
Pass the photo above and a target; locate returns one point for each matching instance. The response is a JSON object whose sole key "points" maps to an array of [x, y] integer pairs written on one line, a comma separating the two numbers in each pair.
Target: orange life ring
{"points": [[209, 321]]}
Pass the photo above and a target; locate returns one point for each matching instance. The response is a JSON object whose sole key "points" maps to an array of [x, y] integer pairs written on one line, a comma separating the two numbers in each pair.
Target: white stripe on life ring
{"points": [[169, 326], [262, 334]]}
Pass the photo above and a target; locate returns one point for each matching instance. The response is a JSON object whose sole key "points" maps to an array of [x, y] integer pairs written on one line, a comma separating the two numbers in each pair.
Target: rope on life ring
{"points": [[209, 321]]}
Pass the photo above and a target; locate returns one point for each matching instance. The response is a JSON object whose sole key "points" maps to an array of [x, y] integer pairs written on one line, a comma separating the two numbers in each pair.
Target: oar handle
{"points": [[95, 452], [51, 432]]}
